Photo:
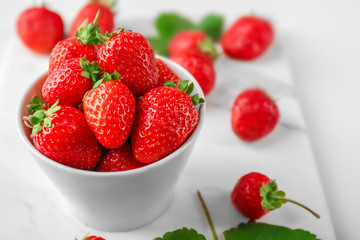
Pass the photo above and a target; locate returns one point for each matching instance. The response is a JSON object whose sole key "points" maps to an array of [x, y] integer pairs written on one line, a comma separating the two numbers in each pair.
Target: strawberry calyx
{"points": [[273, 199], [90, 70], [208, 46], [89, 34], [186, 88], [107, 77], [40, 117]]}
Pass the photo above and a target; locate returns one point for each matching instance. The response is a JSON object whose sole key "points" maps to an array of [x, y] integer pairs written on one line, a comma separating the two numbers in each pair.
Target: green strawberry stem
{"points": [[208, 46], [303, 206], [273, 199], [188, 89], [89, 34], [208, 216], [90, 70]]}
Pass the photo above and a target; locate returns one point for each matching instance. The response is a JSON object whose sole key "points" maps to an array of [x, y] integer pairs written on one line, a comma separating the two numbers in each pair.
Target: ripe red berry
{"points": [[254, 115], [165, 118], [110, 111], [131, 55], [70, 81], [184, 41], [89, 11], [248, 38], [165, 73], [61, 134], [40, 29], [119, 159], [254, 195], [201, 66]]}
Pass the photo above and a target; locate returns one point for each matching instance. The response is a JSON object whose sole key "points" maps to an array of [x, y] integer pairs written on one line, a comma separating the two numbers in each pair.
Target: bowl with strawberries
{"points": [[112, 126]]}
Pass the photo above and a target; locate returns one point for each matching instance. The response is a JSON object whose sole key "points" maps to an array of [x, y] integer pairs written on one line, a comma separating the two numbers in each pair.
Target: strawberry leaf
{"points": [[35, 104], [263, 231], [212, 24], [184, 233], [160, 45], [168, 24]]}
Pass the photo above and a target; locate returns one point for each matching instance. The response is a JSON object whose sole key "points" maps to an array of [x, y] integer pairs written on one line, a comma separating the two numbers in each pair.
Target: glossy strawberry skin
{"points": [[110, 111], [201, 66], [246, 195], [165, 73], [70, 48], [66, 84], [119, 159], [40, 29], [186, 41], [69, 140], [248, 38], [93, 238], [165, 118], [254, 115], [131, 55], [106, 20]]}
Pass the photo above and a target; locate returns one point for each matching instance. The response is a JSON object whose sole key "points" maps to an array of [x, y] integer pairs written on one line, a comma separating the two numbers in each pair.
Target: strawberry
{"points": [[119, 159], [165, 73], [109, 109], [106, 20], [191, 40], [70, 81], [247, 38], [61, 134], [81, 46], [40, 28], [200, 65], [254, 115], [165, 118], [254, 195], [131, 55], [87, 237]]}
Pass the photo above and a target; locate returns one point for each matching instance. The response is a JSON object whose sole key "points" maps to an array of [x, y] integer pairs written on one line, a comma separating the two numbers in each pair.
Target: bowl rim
{"points": [[176, 68]]}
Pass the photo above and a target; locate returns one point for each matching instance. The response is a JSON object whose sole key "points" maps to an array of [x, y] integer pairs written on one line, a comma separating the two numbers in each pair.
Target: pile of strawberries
{"points": [[108, 103]]}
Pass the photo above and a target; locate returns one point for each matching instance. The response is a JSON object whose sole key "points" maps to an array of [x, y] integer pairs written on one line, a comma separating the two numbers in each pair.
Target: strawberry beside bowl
{"points": [[116, 201]]}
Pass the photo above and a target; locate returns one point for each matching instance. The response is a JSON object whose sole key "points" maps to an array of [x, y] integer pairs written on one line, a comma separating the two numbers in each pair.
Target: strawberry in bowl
{"points": [[137, 195]]}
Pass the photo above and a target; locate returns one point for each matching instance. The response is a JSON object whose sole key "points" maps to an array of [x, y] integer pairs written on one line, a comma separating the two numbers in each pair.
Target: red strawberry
{"points": [[106, 19], [131, 55], [191, 40], [40, 29], [201, 66], [81, 46], [61, 134], [254, 195], [119, 159], [254, 115], [247, 38], [91, 238], [110, 111], [165, 118], [70, 81], [165, 73]]}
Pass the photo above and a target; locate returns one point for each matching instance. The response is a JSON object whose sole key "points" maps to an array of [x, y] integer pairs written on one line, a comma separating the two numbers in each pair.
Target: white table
{"points": [[322, 44]]}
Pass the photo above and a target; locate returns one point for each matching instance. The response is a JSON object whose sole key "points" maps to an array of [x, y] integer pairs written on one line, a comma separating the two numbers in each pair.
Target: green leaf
{"points": [[263, 231], [168, 24], [160, 45], [212, 24], [183, 85], [189, 89], [35, 104], [47, 122], [180, 234], [170, 84]]}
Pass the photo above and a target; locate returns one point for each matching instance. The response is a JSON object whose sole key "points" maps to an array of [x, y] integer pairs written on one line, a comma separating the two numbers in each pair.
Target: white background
{"points": [[322, 42]]}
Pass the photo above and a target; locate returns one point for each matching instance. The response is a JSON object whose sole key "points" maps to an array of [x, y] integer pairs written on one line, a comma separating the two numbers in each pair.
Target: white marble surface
{"points": [[321, 41]]}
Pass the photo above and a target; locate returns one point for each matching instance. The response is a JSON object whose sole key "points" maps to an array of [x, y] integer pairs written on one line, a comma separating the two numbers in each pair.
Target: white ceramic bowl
{"points": [[116, 201]]}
